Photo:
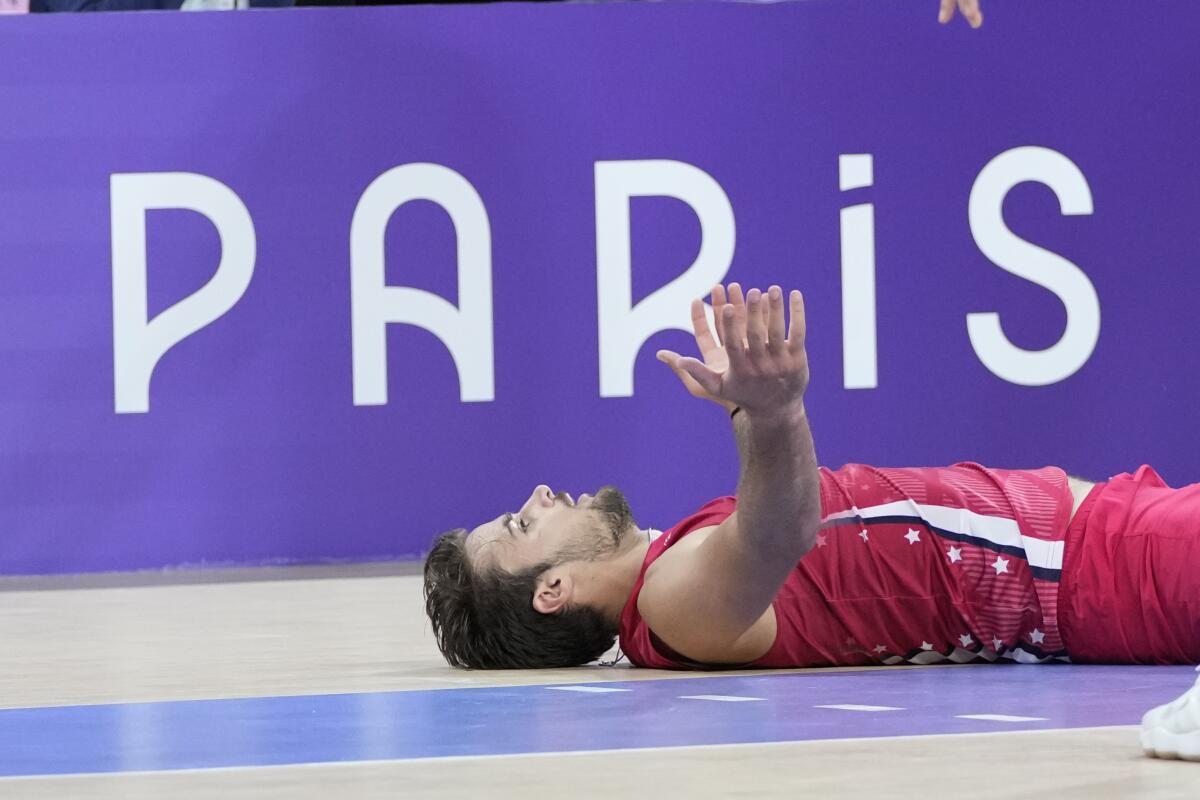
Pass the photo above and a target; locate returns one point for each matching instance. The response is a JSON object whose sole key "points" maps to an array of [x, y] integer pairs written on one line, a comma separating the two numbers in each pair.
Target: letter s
{"points": [[1036, 264]]}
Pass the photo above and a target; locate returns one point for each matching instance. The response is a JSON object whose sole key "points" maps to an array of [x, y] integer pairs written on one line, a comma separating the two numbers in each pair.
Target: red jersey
{"points": [[910, 565]]}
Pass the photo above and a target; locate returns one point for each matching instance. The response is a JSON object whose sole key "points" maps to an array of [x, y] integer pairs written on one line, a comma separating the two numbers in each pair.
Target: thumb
{"points": [[668, 357], [711, 381]]}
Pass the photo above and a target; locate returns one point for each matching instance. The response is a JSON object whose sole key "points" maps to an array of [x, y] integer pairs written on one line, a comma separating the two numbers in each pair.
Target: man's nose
{"points": [[542, 497]]}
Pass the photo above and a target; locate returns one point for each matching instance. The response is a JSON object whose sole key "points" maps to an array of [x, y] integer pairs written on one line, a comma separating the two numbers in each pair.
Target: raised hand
{"points": [[761, 366], [969, 8], [710, 350]]}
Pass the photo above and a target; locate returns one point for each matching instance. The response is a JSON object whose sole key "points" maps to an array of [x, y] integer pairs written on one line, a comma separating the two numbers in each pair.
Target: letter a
{"points": [[466, 330]]}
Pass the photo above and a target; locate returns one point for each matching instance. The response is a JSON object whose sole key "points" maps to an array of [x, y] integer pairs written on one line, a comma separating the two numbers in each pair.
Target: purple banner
{"points": [[316, 285]]}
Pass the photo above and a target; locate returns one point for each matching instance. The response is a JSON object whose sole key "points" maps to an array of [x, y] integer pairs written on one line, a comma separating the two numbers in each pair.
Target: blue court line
{"points": [[261, 731]]}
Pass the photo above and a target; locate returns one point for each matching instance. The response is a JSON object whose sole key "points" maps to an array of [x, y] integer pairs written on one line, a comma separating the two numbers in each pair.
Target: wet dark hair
{"points": [[486, 619]]}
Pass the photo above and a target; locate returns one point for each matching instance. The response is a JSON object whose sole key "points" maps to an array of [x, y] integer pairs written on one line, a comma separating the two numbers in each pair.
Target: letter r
{"points": [[624, 327]]}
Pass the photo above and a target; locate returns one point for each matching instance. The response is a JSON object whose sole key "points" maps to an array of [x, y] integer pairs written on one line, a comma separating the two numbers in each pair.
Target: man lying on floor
{"points": [[808, 566]]}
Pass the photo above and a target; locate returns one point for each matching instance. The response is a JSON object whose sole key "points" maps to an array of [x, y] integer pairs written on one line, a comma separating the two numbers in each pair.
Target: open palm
{"points": [[770, 359]]}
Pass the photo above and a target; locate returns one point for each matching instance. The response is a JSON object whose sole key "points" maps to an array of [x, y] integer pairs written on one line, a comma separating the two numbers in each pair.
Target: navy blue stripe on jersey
{"points": [[1041, 573]]}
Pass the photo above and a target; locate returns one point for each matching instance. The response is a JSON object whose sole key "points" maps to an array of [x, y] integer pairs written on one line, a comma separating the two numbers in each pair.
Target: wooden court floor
{"points": [[305, 631]]}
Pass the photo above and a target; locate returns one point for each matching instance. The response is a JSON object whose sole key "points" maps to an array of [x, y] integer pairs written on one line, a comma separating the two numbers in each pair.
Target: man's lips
{"points": [[571, 501]]}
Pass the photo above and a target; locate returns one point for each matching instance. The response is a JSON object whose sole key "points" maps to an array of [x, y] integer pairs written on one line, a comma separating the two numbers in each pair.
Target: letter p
{"points": [[139, 343]]}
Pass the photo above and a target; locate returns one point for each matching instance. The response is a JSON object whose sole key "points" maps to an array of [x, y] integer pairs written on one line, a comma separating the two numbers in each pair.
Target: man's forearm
{"points": [[741, 434], [779, 496]]}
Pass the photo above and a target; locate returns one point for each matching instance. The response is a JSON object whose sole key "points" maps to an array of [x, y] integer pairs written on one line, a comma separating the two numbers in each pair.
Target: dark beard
{"points": [[615, 524], [614, 509]]}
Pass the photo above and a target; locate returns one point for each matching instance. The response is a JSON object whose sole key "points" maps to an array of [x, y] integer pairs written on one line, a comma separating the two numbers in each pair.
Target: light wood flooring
{"points": [[356, 629]]}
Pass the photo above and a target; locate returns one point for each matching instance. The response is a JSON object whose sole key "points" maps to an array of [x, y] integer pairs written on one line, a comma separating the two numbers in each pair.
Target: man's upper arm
{"points": [[708, 599], [713, 603]]}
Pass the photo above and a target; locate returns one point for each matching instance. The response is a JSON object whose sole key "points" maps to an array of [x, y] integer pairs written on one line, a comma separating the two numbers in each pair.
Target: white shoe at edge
{"points": [[1172, 730]]}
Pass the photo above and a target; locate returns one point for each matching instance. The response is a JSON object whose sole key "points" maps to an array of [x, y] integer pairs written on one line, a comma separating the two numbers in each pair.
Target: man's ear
{"points": [[553, 591]]}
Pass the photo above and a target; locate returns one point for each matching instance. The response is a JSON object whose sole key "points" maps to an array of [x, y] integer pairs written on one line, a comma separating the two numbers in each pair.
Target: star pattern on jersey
{"points": [[954, 554]]}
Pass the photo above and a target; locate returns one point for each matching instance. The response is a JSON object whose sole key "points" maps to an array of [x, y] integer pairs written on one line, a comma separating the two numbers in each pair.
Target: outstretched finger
{"points": [[775, 320], [766, 313], [737, 332], [970, 10], [735, 294], [718, 302], [946, 13], [756, 326], [798, 325], [704, 337]]}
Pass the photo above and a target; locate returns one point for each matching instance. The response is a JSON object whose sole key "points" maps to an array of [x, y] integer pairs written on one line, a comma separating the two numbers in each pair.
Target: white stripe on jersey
{"points": [[997, 530]]}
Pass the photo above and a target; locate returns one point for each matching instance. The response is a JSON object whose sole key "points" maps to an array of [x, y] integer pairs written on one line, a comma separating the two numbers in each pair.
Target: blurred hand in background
{"points": [[969, 8]]}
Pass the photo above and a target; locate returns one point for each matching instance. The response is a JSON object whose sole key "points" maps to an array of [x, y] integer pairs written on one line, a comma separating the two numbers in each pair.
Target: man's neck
{"points": [[611, 580]]}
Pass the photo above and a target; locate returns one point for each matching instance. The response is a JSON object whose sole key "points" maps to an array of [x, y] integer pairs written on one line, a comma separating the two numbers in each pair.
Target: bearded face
{"points": [[553, 529]]}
